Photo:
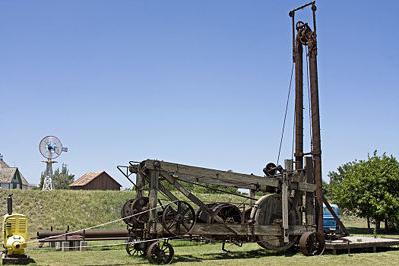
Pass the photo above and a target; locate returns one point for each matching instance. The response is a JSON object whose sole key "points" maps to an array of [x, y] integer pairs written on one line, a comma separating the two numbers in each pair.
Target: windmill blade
{"points": [[50, 147]]}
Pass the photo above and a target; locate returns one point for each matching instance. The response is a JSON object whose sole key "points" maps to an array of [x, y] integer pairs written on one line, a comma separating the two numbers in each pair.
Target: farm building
{"points": [[11, 177], [96, 181]]}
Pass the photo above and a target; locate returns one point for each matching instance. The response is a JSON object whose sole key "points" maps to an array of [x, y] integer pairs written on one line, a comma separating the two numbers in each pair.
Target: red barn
{"points": [[96, 181]]}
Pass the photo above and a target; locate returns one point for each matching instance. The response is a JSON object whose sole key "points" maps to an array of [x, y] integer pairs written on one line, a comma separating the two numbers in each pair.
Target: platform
{"points": [[359, 242]]}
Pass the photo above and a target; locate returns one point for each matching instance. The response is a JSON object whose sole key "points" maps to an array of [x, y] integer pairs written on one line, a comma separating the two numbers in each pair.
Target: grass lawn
{"points": [[211, 254], [80, 209]]}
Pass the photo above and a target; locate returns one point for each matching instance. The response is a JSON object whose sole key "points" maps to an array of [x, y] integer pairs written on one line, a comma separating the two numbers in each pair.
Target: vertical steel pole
{"points": [[316, 139], [298, 105]]}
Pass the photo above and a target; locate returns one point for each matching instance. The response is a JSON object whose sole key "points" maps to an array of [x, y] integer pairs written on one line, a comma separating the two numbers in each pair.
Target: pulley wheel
{"points": [[178, 218], [127, 211], [270, 169], [268, 211], [135, 212], [158, 253], [312, 244]]}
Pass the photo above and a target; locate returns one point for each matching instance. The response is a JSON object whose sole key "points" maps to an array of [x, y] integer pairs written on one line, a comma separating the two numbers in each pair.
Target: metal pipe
{"points": [[314, 8], [85, 233], [9, 204], [302, 7]]}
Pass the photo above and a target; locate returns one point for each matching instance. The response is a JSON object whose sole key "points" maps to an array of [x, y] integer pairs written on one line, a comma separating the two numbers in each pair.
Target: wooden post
{"points": [[153, 198], [139, 184], [252, 196], [309, 196], [285, 196]]}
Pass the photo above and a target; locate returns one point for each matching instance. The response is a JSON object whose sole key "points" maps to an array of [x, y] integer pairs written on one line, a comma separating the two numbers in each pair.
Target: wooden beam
{"points": [[212, 176], [241, 230], [153, 198], [336, 218]]}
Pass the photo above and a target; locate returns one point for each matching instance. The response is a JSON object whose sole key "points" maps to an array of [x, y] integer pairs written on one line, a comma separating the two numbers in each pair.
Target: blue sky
{"points": [[195, 82]]}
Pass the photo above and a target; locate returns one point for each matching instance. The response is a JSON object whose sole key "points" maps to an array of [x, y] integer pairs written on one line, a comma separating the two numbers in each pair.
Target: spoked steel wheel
{"points": [[160, 253], [135, 212], [312, 244], [178, 218], [136, 249]]}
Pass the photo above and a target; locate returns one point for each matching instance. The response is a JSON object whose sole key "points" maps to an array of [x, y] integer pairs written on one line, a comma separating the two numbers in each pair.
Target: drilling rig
{"points": [[285, 206]]}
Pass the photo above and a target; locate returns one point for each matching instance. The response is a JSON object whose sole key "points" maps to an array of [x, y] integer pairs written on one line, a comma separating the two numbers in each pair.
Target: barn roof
{"points": [[3, 164], [23, 179], [88, 177], [7, 174]]}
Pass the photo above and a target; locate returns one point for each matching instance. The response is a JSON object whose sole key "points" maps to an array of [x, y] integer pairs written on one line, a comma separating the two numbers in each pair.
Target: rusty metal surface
{"points": [[312, 243], [276, 220], [89, 235], [305, 36]]}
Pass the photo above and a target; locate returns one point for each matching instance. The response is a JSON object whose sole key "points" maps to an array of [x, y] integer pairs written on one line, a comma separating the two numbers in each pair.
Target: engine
{"points": [[15, 234]]}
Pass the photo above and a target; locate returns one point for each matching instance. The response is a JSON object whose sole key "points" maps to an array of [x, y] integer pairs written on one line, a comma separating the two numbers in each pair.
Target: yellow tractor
{"points": [[15, 234]]}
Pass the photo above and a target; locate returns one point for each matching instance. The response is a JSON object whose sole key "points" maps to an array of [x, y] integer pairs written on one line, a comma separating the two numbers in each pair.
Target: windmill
{"points": [[50, 148]]}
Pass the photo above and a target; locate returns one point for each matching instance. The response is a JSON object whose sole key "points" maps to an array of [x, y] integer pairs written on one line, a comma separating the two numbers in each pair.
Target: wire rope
{"points": [[285, 114]]}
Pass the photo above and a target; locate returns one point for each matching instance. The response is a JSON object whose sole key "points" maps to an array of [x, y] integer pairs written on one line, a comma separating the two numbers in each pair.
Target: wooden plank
{"points": [[304, 186], [212, 176], [167, 193], [353, 242], [203, 229]]}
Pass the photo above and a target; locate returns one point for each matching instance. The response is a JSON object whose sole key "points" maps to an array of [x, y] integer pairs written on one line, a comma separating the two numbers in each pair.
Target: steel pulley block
{"points": [[270, 169]]}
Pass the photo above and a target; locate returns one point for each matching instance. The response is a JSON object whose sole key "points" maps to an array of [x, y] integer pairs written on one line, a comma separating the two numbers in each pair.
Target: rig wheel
{"points": [[178, 218], [312, 244], [158, 253], [136, 249], [267, 211]]}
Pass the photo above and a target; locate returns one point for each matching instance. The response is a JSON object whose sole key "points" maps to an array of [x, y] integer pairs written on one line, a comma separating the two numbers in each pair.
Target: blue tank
{"points": [[329, 223]]}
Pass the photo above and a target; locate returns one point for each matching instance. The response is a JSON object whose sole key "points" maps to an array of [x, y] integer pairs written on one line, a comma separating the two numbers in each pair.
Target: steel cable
{"points": [[285, 114]]}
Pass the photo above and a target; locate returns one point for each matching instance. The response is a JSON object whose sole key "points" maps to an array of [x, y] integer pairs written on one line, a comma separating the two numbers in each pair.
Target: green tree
{"points": [[326, 189], [368, 188], [61, 178]]}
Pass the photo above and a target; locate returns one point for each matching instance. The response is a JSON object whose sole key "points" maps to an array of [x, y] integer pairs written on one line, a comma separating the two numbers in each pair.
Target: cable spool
{"points": [[270, 169]]}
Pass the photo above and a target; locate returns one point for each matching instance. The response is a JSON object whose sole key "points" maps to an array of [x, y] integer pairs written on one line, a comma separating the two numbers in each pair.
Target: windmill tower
{"points": [[50, 148]]}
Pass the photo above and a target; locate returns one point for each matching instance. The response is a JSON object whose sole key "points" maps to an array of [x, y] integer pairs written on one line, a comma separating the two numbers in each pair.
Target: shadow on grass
{"points": [[259, 253]]}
